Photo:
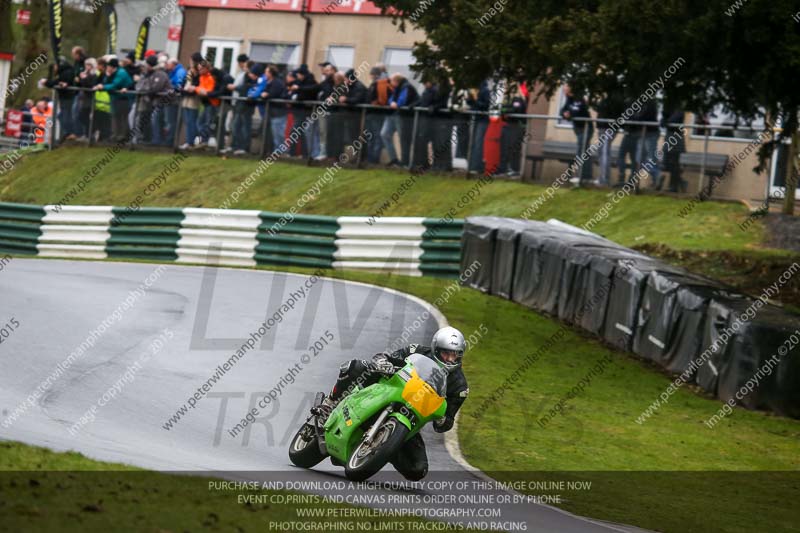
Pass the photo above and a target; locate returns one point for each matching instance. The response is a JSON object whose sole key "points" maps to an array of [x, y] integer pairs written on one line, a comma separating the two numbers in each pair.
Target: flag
{"points": [[141, 39], [56, 23], [111, 16]]}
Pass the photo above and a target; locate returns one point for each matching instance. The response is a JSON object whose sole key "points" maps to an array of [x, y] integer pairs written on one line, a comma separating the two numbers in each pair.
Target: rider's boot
{"points": [[323, 410]]}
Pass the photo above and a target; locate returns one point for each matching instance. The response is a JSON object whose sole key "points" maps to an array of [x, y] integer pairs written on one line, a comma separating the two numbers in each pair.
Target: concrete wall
{"points": [[131, 13], [369, 35]]}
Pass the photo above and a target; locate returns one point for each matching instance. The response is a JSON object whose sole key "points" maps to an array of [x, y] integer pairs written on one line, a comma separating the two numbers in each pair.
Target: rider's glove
{"points": [[382, 365]]}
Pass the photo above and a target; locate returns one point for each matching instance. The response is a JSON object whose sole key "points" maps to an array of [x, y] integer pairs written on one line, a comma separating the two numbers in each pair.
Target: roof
{"points": [[341, 7]]}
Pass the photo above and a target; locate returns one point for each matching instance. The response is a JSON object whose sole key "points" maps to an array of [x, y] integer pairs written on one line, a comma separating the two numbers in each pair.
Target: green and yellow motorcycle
{"points": [[368, 426]]}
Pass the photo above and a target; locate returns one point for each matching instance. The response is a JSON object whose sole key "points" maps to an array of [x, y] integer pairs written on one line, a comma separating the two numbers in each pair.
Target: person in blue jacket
{"points": [[403, 95], [117, 81], [168, 113], [271, 87]]}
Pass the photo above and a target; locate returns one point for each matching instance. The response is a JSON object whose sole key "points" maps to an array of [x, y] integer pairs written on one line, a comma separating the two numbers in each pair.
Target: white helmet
{"points": [[448, 340]]}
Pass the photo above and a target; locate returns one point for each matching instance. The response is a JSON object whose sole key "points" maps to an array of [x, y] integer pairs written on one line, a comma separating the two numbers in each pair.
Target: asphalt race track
{"points": [[143, 360]]}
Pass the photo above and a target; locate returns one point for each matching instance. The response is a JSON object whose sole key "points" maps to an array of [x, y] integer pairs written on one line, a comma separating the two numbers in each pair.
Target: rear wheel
{"points": [[368, 459], [304, 449]]}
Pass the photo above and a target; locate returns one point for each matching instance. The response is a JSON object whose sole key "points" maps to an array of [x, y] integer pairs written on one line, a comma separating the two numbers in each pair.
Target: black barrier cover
{"points": [[591, 303], [552, 256], [764, 344], [529, 268], [661, 324], [722, 310], [685, 342], [578, 296], [540, 261], [627, 288], [505, 253], [477, 244]]}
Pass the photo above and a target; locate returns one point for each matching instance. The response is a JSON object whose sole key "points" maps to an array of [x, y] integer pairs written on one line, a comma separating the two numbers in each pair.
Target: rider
{"points": [[447, 350]]}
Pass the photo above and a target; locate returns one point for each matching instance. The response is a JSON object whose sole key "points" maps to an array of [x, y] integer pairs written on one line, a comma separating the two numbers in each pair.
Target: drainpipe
{"points": [[307, 32]]}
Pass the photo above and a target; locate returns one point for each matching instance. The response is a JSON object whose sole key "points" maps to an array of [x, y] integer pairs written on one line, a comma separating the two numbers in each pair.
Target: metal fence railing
{"points": [[444, 140]]}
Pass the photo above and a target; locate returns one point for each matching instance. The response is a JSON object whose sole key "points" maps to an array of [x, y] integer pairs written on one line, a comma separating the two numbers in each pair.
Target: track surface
{"points": [[58, 303]]}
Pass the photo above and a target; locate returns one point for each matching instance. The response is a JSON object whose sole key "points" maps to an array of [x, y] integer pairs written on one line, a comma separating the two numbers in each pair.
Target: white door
{"points": [[777, 178], [221, 54]]}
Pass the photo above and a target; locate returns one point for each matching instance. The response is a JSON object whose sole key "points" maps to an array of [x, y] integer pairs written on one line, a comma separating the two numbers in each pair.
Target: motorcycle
{"points": [[368, 426]]}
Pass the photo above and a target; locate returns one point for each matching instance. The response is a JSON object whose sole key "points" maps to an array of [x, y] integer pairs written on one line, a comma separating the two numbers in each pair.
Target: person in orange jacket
{"points": [[209, 87], [42, 113]]}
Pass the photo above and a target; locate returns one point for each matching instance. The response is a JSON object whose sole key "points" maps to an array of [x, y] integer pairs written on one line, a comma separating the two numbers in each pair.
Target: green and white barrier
{"points": [[413, 245]]}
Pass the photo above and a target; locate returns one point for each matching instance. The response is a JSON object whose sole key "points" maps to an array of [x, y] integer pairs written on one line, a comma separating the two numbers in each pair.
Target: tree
{"points": [[6, 21], [743, 56]]}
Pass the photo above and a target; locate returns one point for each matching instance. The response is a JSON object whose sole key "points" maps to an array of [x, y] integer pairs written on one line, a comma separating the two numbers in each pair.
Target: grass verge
{"points": [[739, 476], [201, 181], [41, 490]]}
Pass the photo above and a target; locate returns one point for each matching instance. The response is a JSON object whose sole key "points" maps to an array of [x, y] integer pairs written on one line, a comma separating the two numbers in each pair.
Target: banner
{"points": [[111, 16], [141, 39], [56, 23]]}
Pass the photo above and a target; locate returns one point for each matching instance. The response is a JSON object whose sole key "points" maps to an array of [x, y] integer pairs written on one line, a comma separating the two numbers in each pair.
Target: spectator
{"points": [[61, 79], [224, 117], [356, 93], [320, 127], [165, 118], [462, 122], [134, 70], [42, 114], [87, 79], [574, 108], [648, 144], [117, 82], [242, 120], [209, 89], [479, 100], [403, 95], [295, 142], [26, 131], [673, 151], [190, 105], [306, 89], [128, 63], [433, 128], [79, 57], [512, 134], [276, 89], [610, 108], [156, 86], [102, 105], [628, 149], [379, 91]]}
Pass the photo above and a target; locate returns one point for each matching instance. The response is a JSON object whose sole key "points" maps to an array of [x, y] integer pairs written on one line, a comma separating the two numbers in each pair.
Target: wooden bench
{"points": [[715, 163]]}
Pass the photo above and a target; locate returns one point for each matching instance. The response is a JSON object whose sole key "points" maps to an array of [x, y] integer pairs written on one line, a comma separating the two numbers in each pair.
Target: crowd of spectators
{"points": [[146, 101], [639, 149], [125, 100]]}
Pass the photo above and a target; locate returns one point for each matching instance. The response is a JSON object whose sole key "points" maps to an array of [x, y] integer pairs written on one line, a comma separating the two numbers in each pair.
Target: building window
{"points": [[283, 55], [720, 117], [399, 60], [342, 57]]}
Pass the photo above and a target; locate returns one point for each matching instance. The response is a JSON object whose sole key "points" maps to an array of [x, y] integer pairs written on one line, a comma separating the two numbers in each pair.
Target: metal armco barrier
{"points": [[414, 246]]}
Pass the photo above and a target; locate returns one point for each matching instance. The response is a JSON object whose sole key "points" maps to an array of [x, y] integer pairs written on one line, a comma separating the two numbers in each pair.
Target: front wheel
{"points": [[368, 459], [304, 449]]}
